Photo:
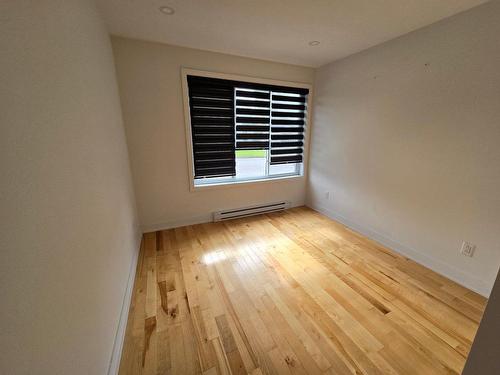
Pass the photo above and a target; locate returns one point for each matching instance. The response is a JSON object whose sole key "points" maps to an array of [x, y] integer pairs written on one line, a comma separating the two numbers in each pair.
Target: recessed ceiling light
{"points": [[314, 43], [167, 10]]}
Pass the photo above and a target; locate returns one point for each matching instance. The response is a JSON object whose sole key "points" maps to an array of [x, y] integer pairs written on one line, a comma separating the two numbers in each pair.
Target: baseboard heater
{"points": [[236, 213]]}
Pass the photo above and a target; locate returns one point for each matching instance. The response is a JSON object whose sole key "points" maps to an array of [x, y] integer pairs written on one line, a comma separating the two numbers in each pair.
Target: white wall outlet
{"points": [[327, 195], [467, 249]]}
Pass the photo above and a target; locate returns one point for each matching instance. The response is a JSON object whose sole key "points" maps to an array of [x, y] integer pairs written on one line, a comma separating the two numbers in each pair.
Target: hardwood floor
{"points": [[291, 293]]}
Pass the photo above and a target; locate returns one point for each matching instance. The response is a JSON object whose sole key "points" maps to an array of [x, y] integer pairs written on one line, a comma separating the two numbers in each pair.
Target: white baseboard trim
{"points": [[463, 278], [177, 223], [200, 219], [116, 354]]}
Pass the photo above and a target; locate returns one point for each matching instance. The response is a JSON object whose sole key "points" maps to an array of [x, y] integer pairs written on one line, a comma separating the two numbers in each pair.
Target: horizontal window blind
{"points": [[229, 115], [211, 104], [253, 116], [288, 112]]}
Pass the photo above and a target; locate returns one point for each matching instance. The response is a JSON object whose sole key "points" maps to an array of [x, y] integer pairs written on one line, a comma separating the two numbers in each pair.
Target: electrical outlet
{"points": [[327, 195], [467, 249]]}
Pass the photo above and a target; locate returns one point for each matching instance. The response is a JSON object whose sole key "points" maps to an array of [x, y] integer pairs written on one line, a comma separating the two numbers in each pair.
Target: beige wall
{"points": [[149, 76], [68, 234], [406, 139]]}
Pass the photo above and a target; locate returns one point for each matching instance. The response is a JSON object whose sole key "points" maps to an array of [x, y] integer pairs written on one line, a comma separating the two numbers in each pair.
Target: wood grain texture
{"points": [[291, 293]]}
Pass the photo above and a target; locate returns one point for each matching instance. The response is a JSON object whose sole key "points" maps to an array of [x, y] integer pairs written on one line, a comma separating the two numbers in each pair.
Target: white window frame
{"points": [[224, 182]]}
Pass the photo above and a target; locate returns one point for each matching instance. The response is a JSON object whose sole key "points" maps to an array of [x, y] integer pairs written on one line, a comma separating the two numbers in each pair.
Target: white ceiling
{"points": [[277, 30]]}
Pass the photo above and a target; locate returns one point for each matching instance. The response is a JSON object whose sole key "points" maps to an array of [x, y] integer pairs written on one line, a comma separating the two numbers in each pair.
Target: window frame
{"points": [[245, 182]]}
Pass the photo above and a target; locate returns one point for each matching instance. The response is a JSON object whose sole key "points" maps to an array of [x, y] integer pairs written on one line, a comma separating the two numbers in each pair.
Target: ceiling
{"points": [[277, 30]]}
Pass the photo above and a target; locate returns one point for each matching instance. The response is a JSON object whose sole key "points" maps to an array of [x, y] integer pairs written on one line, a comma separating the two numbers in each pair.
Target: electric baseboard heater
{"points": [[236, 213]]}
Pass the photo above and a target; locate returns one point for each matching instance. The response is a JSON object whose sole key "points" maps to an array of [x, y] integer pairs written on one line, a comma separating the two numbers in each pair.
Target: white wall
{"points": [[483, 357], [149, 76], [406, 138], [68, 234]]}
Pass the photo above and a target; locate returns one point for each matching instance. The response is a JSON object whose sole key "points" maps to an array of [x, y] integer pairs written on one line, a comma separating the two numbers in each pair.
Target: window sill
{"points": [[230, 184]]}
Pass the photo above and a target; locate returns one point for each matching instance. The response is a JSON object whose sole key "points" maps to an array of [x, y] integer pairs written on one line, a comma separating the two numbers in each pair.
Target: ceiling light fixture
{"points": [[167, 10], [314, 43]]}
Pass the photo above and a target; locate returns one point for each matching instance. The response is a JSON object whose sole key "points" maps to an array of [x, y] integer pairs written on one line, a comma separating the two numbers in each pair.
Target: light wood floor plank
{"points": [[291, 293]]}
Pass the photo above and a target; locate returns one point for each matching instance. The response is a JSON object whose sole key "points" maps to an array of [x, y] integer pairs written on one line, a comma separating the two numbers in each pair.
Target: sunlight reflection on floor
{"points": [[213, 257]]}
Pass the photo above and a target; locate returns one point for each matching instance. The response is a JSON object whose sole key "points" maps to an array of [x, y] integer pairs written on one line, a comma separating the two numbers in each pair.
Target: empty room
{"points": [[249, 187]]}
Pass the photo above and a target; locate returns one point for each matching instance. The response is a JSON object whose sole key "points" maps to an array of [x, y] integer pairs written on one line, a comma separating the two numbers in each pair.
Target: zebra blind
{"points": [[211, 104], [232, 115], [253, 116], [287, 126]]}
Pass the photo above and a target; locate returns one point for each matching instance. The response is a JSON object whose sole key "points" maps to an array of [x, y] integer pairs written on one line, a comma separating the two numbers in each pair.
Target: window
{"points": [[243, 131]]}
